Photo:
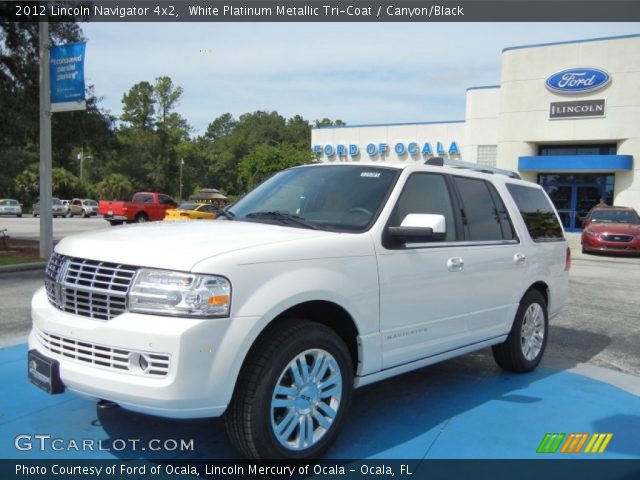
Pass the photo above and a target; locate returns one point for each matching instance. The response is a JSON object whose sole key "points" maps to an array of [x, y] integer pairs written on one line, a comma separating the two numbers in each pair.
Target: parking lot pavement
{"points": [[29, 228], [464, 408]]}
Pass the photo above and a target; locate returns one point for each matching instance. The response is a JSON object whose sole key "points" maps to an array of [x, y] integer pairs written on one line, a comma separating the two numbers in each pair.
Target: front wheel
{"points": [[525, 345], [292, 394]]}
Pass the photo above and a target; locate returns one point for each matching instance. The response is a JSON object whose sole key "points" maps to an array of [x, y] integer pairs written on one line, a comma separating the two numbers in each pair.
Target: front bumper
{"points": [[597, 244], [99, 359]]}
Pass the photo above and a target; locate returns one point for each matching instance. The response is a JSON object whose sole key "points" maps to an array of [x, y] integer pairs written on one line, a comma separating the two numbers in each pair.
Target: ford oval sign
{"points": [[578, 80]]}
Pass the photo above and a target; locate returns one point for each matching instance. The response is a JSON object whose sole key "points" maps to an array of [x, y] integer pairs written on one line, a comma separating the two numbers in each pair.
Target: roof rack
{"points": [[441, 162]]}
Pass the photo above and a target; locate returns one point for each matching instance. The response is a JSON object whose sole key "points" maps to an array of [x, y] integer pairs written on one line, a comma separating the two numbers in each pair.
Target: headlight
{"points": [[180, 294], [591, 233]]}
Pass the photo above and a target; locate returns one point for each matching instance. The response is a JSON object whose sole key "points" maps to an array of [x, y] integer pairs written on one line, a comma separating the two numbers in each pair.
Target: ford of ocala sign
{"points": [[578, 80]]}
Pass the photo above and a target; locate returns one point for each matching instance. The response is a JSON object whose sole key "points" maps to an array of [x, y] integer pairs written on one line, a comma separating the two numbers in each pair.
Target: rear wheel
{"points": [[141, 218], [525, 345], [292, 394]]}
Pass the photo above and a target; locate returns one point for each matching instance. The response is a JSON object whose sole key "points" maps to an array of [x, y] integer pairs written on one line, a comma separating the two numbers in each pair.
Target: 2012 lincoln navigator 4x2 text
{"points": [[324, 278]]}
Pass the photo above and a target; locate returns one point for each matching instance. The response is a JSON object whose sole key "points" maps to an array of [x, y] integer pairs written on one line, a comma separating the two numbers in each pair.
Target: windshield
{"points": [[56, 201], [91, 203], [187, 206], [337, 197], [12, 203], [616, 216]]}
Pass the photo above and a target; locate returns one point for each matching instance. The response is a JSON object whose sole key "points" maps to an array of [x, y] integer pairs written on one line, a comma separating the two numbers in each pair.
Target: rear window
{"points": [[537, 212]]}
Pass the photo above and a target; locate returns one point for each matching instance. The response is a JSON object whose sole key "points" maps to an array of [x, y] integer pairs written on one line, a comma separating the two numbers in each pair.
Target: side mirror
{"points": [[420, 228]]}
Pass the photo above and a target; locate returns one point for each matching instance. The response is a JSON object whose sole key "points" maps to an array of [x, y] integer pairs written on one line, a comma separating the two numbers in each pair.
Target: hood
{"points": [[615, 228], [177, 245]]}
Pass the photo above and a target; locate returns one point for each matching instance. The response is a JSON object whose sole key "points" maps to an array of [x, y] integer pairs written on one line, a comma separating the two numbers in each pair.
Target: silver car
{"points": [[9, 206], [57, 208], [85, 207]]}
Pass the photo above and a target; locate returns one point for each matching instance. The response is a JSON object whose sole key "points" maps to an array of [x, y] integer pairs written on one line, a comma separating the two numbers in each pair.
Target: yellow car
{"points": [[191, 211]]}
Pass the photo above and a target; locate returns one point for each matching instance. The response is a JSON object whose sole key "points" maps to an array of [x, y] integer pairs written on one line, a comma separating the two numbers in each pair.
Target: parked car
{"points": [[611, 229], [85, 207], [191, 211], [8, 206], [143, 207], [323, 279], [57, 208], [66, 205]]}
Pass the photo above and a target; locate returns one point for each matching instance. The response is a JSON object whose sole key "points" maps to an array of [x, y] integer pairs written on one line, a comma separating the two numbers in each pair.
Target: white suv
{"points": [[324, 278]]}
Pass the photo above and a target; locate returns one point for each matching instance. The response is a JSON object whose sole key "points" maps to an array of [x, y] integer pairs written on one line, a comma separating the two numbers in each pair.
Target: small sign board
{"points": [[67, 77], [577, 109]]}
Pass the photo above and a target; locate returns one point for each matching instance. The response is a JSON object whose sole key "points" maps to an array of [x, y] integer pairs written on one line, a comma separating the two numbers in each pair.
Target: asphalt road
{"points": [[29, 227]]}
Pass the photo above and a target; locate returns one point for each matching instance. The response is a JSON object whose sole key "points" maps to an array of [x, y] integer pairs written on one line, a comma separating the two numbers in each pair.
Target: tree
{"points": [[19, 105], [265, 160], [114, 187], [138, 106], [150, 134], [326, 122]]}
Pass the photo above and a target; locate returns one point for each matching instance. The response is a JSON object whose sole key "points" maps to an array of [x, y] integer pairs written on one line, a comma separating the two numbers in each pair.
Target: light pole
{"points": [[82, 158], [181, 165]]}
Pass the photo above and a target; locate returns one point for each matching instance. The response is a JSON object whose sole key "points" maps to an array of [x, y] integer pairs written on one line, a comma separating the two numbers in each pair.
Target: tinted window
{"points": [[165, 200], [485, 217], [537, 213], [143, 197], [426, 193]]}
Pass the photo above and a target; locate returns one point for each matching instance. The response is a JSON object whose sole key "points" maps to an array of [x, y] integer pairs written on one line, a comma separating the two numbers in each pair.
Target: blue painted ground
{"points": [[464, 408]]}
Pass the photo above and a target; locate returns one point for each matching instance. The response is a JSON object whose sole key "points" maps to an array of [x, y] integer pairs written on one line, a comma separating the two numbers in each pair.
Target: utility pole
{"points": [[46, 214], [181, 165]]}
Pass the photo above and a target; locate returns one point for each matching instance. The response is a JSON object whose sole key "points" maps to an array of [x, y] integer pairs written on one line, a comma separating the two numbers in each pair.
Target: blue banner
{"points": [[67, 75]]}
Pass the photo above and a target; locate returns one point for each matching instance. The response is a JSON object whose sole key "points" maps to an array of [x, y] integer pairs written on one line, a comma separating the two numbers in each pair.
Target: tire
{"points": [[141, 218], [257, 411], [85, 214], [20, 216], [526, 343]]}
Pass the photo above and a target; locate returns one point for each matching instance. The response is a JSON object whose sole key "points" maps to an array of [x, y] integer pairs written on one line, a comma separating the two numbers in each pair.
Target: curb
{"points": [[23, 267]]}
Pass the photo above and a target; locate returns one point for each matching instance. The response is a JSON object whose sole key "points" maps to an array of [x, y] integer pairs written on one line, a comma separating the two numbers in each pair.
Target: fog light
{"points": [[144, 364]]}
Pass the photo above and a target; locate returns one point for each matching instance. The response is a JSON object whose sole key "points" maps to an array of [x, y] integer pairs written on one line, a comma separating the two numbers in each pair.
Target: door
{"points": [[573, 202], [585, 198]]}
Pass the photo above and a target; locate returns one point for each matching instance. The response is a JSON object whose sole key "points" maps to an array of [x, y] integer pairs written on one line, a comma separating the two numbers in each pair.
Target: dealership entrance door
{"points": [[575, 194]]}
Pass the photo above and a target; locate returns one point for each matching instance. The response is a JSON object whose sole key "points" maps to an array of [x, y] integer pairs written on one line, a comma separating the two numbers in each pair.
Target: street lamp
{"points": [[181, 165], [82, 158]]}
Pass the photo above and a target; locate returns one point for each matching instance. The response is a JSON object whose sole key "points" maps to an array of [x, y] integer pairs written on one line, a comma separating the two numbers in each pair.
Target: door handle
{"points": [[455, 264], [519, 258]]}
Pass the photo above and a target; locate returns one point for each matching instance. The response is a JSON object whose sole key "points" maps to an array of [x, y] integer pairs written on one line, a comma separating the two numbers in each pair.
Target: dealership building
{"points": [[565, 115]]}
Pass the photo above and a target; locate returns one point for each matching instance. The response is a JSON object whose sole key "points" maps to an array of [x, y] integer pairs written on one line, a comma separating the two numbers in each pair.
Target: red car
{"points": [[611, 229]]}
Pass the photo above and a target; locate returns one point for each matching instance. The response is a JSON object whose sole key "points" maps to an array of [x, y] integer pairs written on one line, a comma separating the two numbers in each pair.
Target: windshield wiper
{"points": [[227, 214], [282, 216]]}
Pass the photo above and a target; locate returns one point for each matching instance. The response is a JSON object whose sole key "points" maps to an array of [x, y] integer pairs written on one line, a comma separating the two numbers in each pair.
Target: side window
{"points": [[537, 212], [426, 193], [164, 200], [484, 215], [142, 197]]}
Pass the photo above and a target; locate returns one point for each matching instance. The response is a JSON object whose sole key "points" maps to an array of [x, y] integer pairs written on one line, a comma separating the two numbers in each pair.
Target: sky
{"points": [[361, 73]]}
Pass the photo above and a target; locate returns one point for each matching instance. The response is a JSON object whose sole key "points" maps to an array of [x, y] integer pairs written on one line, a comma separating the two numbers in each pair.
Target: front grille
{"points": [[88, 287], [102, 355], [617, 238]]}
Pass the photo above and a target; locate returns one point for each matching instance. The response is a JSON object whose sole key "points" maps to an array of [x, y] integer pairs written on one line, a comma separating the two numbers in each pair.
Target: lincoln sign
{"points": [[577, 109]]}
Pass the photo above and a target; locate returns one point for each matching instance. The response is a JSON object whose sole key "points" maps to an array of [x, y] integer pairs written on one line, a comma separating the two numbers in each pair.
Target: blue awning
{"points": [[555, 163]]}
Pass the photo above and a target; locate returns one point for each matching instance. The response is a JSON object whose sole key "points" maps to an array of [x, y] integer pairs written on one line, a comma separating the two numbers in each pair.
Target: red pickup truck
{"points": [[143, 207]]}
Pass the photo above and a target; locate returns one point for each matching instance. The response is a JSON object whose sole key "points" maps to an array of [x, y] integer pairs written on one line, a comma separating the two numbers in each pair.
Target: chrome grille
{"points": [[102, 355], [88, 287], [617, 238]]}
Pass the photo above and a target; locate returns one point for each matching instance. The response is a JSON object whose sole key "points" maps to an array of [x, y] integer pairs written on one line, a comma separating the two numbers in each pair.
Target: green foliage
{"points": [[114, 187], [265, 160], [149, 150], [19, 106]]}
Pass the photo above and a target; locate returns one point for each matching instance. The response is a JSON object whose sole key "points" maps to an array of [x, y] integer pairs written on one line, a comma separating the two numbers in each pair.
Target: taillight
{"points": [[567, 260]]}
